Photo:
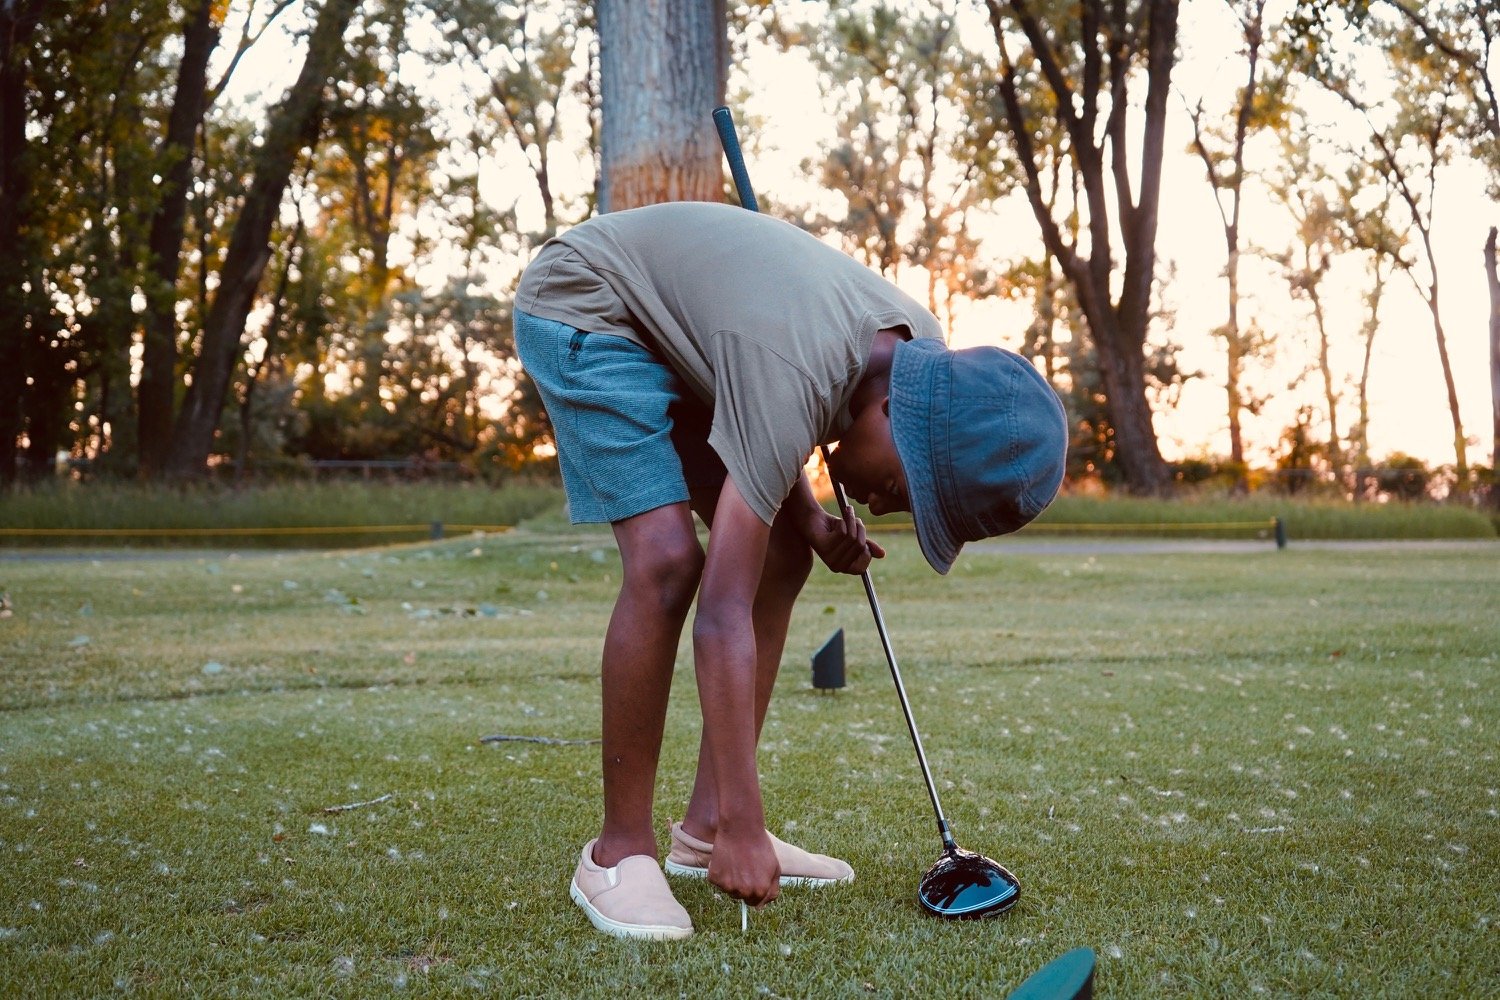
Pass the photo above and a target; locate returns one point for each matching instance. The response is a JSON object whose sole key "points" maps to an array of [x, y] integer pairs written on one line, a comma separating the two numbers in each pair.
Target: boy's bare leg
{"points": [[788, 563], [662, 562]]}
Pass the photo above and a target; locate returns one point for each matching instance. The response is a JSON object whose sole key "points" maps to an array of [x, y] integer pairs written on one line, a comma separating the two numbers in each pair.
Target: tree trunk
{"points": [[17, 22], [663, 66], [293, 125], [157, 390], [1460, 442], [1330, 387], [1359, 438], [1492, 277]]}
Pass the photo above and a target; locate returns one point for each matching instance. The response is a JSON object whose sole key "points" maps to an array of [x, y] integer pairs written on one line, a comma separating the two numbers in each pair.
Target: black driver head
{"points": [[964, 884]]}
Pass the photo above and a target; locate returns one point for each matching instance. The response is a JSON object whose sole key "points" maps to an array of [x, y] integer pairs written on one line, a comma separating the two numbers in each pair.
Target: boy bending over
{"points": [[691, 356]]}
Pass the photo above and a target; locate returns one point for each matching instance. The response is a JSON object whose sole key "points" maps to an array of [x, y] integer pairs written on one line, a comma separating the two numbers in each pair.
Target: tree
{"points": [[663, 66], [914, 153], [18, 248], [526, 67], [524, 77], [1301, 185], [293, 125], [1259, 103], [1492, 279], [1086, 63], [157, 390], [1373, 231], [1446, 98]]}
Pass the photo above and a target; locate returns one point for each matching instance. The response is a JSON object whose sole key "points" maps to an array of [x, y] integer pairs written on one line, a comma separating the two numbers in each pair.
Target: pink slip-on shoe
{"points": [[630, 900], [689, 856]]}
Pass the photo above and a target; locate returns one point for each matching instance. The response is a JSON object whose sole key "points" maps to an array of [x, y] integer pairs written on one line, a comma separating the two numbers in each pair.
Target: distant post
{"points": [[1280, 532]]}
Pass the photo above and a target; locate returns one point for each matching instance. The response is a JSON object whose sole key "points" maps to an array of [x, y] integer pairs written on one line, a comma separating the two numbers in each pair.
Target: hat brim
{"points": [[918, 373]]}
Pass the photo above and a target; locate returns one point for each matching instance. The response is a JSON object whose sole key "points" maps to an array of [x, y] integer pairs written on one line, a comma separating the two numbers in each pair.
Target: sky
{"points": [[1408, 397], [781, 93]]}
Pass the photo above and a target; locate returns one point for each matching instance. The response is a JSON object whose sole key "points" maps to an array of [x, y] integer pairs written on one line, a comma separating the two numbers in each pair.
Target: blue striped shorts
{"points": [[631, 436]]}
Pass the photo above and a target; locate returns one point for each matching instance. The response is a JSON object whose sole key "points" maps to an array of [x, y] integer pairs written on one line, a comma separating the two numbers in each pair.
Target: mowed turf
{"points": [[1231, 774]]}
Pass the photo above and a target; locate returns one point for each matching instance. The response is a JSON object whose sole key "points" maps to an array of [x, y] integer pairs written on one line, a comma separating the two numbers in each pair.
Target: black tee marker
{"points": [[828, 664]]}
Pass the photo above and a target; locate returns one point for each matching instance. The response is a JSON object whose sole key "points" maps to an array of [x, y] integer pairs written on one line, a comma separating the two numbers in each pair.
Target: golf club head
{"points": [[964, 884]]}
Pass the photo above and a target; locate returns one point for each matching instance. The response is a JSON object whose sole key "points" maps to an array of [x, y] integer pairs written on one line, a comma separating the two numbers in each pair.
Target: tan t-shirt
{"points": [[768, 325]]}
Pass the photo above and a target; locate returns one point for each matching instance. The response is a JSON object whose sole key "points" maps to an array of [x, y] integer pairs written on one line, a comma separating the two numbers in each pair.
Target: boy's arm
{"points": [[840, 542], [744, 862]]}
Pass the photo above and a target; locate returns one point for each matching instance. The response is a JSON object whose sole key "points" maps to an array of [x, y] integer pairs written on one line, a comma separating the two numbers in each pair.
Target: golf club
{"points": [[1070, 976], [960, 883]]}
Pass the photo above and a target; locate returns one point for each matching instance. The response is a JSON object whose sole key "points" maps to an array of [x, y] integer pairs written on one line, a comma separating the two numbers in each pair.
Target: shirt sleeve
{"points": [[768, 415]]}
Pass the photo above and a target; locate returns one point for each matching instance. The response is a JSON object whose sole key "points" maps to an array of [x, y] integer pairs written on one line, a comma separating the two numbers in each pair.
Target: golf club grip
{"points": [[724, 122]]}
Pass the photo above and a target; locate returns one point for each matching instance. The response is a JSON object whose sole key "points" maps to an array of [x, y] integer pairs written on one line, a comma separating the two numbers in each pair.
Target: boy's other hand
{"points": [[745, 866], [842, 543]]}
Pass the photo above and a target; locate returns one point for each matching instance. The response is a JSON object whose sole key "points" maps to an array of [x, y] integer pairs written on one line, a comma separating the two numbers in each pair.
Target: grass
{"points": [[285, 516], [1270, 774], [1303, 519], [275, 516]]}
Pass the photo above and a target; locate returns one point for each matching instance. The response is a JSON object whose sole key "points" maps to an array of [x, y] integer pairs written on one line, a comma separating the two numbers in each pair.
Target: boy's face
{"points": [[866, 462]]}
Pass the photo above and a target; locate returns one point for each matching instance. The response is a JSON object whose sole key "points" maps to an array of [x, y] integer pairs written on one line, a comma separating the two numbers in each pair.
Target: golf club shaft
{"points": [[724, 122]]}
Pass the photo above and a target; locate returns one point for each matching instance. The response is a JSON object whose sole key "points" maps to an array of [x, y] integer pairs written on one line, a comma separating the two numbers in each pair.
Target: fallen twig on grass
{"points": [[357, 805], [549, 740]]}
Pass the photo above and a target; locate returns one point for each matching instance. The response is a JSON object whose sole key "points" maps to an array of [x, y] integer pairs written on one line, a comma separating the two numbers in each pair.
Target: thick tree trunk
{"points": [[17, 22], [1492, 278], [156, 393], [293, 125], [663, 66]]}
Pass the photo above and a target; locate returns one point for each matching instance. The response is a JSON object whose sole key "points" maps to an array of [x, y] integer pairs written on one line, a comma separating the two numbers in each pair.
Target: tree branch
{"points": [[1026, 153]]}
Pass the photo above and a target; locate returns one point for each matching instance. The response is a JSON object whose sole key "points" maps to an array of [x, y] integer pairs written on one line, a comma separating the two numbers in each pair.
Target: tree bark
{"points": [[1492, 278], [293, 125], [663, 66], [17, 325], [155, 395]]}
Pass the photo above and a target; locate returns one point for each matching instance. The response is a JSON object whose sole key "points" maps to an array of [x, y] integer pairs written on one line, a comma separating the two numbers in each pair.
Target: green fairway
{"points": [[1231, 773]]}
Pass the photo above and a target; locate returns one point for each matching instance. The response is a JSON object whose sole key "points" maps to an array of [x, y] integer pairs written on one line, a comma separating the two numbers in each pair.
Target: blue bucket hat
{"points": [[982, 439]]}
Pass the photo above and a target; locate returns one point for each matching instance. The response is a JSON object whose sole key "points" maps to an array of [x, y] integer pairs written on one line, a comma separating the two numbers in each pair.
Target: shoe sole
{"points": [[806, 881], [642, 932]]}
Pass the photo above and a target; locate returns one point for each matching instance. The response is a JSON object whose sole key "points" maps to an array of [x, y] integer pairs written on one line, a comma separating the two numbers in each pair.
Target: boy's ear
{"points": [[885, 405]]}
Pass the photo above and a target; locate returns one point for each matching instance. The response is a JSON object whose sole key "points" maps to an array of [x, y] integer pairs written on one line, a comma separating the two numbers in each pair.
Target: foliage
{"points": [[458, 135], [914, 153]]}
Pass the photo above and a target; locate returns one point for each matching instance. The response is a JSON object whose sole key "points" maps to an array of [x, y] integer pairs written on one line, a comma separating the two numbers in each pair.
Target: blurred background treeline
{"points": [[244, 240]]}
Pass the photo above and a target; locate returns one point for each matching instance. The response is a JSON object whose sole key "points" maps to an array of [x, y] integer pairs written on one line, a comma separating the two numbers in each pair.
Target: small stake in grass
{"points": [[744, 917]]}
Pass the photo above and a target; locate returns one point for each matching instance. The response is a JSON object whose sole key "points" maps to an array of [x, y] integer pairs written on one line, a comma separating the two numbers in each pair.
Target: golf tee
{"points": [[744, 917]]}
